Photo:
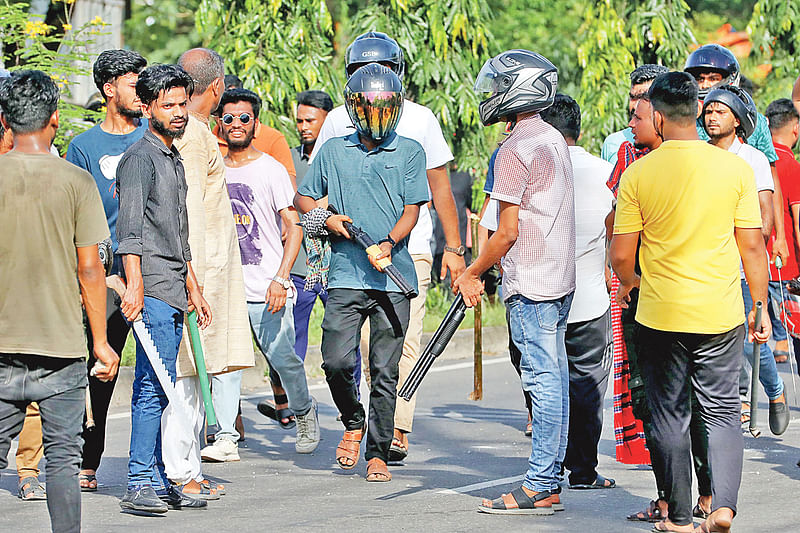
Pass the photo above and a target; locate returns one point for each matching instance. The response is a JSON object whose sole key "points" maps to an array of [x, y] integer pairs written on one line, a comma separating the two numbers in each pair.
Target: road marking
{"points": [[322, 386], [485, 485]]}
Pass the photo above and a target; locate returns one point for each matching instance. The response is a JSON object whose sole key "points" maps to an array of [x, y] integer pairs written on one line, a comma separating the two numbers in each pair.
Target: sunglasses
{"points": [[244, 118]]}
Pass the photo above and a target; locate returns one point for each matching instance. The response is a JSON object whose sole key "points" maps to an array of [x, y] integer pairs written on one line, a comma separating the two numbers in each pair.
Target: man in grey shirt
{"points": [[153, 243], [312, 108]]}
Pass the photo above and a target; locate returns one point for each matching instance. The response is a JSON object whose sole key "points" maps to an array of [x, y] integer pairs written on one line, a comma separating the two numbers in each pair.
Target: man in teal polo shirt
{"points": [[377, 180]]}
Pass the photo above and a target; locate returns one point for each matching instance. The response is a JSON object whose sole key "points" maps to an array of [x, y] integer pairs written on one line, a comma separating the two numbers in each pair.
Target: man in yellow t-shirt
{"points": [[696, 212]]}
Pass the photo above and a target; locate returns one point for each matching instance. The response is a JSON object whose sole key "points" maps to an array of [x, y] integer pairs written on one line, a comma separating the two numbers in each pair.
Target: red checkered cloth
{"points": [[631, 447]]}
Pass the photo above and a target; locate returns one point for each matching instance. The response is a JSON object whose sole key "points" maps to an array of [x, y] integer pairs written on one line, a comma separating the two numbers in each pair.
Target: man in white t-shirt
{"points": [[261, 195], [726, 118], [420, 124]]}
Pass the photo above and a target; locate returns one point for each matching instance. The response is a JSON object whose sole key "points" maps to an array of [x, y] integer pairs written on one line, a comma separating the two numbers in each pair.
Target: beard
{"points": [[308, 142], [166, 132], [241, 143], [721, 134], [130, 112]]}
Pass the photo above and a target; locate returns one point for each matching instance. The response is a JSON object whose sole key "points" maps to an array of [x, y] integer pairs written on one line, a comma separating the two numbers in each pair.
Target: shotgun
{"points": [[372, 249], [435, 347]]}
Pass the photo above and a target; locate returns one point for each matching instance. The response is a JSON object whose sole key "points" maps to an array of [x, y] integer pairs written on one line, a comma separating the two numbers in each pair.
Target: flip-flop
{"points": [[88, 479], [664, 528], [698, 512], [598, 483]]}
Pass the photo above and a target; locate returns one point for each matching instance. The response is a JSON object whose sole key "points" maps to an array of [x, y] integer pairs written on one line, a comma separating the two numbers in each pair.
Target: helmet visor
{"points": [[486, 82], [375, 114]]}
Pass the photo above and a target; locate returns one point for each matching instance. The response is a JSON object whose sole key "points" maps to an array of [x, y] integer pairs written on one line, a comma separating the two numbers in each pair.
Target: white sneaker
{"points": [[307, 430], [222, 451]]}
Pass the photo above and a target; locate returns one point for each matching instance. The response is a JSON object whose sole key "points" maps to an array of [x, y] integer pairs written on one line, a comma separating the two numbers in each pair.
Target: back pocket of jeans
{"points": [[546, 316]]}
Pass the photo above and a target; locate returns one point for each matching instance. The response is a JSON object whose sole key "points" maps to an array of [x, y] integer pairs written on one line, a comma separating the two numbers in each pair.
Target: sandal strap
{"points": [[526, 502]]}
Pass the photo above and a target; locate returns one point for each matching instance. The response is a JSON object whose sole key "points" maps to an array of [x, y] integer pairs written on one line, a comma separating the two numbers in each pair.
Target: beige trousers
{"points": [[30, 449], [404, 410]]}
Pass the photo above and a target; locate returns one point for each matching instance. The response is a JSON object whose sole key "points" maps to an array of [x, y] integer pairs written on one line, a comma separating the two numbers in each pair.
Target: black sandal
{"points": [[268, 409], [651, 514], [598, 483], [525, 504]]}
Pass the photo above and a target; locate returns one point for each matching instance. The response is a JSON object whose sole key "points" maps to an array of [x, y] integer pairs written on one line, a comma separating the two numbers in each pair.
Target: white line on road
{"points": [[479, 486]]}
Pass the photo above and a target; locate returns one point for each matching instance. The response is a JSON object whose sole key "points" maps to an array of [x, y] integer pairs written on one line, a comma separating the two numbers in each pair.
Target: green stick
{"points": [[202, 374]]}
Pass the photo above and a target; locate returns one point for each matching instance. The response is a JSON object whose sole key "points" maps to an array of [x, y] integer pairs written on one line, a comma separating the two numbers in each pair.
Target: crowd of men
{"points": [[157, 222]]}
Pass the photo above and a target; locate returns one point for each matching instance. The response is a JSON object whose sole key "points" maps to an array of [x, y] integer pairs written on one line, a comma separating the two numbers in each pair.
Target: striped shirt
{"points": [[533, 170]]}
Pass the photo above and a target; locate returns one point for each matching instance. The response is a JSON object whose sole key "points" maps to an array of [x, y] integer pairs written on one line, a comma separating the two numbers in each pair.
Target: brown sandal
{"points": [[399, 448], [377, 470], [349, 447]]}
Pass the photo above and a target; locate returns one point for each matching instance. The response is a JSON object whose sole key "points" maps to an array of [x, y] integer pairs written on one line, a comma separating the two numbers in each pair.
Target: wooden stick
{"points": [[477, 392]]}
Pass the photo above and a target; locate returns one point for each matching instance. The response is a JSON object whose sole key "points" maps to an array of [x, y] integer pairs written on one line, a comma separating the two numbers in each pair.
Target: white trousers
{"points": [[180, 429]]}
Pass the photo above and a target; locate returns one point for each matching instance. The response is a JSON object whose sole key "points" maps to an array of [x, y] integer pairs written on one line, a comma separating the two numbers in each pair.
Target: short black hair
{"points": [[565, 116], [647, 72], [28, 99], [232, 81], [204, 68], [674, 95], [160, 78], [318, 99], [231, 96], [111, 64], [780, 113]]}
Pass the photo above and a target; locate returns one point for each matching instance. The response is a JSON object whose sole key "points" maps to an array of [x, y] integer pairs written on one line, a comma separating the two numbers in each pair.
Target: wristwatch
{"points": [[283, 282], [458, 251]]}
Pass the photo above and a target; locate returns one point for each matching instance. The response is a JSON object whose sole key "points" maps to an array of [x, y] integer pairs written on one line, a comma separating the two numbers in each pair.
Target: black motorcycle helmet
{"points": [[373, 97], [374, 47], [715, 58], [516, 81], [739, 102]]}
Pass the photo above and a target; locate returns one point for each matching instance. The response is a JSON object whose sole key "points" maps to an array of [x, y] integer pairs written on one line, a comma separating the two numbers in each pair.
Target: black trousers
{"points": [[345, 314], [589, 356], [642, 412], [672, 366], [94, 439]]}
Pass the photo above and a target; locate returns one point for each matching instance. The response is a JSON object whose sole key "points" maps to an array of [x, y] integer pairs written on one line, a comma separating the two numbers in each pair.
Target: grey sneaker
{"points": [[222, 451], [308, 430]]}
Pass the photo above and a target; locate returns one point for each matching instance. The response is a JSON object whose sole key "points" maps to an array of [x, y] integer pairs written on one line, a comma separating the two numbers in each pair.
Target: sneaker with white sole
{"points": [[307, 430], [222, 451]]}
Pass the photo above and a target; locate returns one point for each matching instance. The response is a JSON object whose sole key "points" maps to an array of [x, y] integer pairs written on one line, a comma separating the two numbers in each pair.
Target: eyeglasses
{"points": [[244, 118]]}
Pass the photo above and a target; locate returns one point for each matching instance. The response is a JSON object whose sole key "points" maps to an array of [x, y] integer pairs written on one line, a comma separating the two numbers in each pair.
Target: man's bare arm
{"points": [[767, 213], [445, 204], [623, 260]]}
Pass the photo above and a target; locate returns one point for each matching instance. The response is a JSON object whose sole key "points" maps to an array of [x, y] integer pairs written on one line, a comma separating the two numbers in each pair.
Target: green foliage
{"points": [[607, 61], [161, 30], [30, 43], [278, 47], [446, 42], [660, 31], [775, 31]]}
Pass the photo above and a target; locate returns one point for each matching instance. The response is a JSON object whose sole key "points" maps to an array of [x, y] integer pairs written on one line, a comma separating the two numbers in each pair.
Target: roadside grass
{"points": [[436, 305]]}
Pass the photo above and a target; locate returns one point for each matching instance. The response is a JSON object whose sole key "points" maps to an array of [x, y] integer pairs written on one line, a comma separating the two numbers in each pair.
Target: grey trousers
{"points": [[345, 313], [672, 364], [589, 358], [59, 387]]}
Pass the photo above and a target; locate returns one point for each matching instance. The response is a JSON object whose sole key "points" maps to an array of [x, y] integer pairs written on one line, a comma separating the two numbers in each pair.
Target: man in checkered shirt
{"points": [[536, 239]]}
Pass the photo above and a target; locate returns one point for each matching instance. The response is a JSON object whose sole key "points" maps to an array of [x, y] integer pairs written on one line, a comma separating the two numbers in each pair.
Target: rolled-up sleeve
{"points": [[135, 177]]}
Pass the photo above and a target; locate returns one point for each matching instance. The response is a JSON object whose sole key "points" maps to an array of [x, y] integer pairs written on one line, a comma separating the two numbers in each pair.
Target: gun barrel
{"points": [[437, 344]]}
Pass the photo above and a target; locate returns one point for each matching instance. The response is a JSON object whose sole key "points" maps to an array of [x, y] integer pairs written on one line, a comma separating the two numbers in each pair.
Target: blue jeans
{"points": [[302, 312], [274, 334], [768, 370], [226, 390], [778, 331], [59, 386], [538, 330], [165, 325]]}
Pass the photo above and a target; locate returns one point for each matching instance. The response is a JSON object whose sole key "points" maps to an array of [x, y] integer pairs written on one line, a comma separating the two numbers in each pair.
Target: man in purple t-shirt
{"points": [[261, 195]]}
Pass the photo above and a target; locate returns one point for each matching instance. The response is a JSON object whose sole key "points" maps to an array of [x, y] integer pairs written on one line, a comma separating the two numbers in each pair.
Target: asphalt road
{"points": [[460, 452]]}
